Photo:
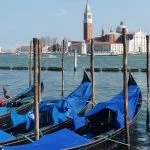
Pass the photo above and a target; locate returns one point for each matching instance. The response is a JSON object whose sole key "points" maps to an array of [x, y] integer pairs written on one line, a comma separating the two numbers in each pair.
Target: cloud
{"points": [[61, 13]]}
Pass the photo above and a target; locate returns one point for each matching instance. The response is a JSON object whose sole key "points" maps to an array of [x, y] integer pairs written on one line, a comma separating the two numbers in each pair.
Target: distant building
{"points": [[87, 23], [23, 49], [137, 43], [112, 37], [79, 46], [107, 43], [45, 49], [120, 27], [106, 48]]}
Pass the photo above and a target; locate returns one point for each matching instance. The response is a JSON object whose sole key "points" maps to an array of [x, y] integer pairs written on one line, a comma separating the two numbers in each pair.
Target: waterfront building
{"points": [[75, 45], [45, 49], [137, 42], [106, 48], [83, 48], [120, 27], [107, 43], [66, 45], [79, 46], [22, 49]]}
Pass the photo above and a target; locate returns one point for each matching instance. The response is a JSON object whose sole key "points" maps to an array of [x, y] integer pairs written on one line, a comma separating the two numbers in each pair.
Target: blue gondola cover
{"points": [[59, 140], [56, 111], [116, 105]]}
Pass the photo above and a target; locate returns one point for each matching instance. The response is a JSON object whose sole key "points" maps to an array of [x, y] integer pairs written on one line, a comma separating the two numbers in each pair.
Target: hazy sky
{"points": [[21, 20]]}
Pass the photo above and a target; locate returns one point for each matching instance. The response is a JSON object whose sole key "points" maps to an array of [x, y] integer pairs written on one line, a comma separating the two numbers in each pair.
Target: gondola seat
{"points": [[102, 121], [58, 116], [17, 119]]}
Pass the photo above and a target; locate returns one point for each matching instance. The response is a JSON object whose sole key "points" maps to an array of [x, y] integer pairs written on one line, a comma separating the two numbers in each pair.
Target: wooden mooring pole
{"points": [[148, 83], [63, 49], [30, 64], [75, 60], [125, 85], [39, 70], [36, 95], [92, 71]]}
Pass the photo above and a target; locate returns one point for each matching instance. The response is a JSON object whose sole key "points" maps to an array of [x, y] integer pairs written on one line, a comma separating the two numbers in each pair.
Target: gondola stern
{"points": [[85, 77], [131, 80]]}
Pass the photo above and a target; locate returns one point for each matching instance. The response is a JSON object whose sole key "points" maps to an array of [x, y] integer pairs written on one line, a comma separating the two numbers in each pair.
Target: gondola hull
{"points": [[28, 137], [22, 103], [5, 120], [77, 102], [114, 140], [102, 128]]}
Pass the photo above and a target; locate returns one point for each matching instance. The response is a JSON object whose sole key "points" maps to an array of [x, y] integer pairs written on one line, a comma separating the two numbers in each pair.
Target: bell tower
{"points": [[87, 23]]}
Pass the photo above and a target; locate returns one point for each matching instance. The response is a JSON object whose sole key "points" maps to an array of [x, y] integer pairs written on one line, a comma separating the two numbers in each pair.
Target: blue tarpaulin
{"points": [[116, 104], [59, 140], [56, 111], [65, 138], [64, 108]]}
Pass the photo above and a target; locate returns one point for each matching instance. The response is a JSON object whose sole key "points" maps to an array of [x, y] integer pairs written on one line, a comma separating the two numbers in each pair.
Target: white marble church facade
{"points": [[138, 43]]}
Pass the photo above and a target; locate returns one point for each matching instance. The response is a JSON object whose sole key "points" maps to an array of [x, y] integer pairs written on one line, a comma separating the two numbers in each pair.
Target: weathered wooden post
{"points": [[36, 110], [30, 64], [39, 70], [92, 71], [75, 60], [63, 49], [125, 85], [148, 82]]}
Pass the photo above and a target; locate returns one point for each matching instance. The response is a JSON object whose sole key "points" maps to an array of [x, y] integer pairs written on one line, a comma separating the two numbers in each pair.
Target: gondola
{"points": [[54, 114], [100, 128], [22, 103]]}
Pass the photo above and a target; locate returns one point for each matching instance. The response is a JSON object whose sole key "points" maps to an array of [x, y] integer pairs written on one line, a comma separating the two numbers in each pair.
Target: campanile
{"points": [[87, 23]]}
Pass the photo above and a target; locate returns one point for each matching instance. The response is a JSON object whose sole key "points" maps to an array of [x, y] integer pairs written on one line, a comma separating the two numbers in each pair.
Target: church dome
{"points": [[120, 27]]}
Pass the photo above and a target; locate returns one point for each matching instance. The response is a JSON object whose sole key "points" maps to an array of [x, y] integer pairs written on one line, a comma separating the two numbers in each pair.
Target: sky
{"points": [[22, 20]]}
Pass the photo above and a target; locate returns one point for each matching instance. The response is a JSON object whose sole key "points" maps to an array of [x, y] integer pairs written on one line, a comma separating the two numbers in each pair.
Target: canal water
{"points": [[107, 84]]}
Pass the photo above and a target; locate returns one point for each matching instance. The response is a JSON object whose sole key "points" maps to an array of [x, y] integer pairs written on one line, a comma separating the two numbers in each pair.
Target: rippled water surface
{"points": [[107, 84]]}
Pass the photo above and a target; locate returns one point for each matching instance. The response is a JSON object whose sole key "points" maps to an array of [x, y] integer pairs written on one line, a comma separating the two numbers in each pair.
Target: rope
{"points": [[26, 137], [40, 132], [115, 141], [93, 103]]}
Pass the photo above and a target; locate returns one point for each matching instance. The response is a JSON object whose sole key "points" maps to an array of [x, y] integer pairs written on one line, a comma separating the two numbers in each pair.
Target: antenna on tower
{"points": [[87, 6], [102, 32]]}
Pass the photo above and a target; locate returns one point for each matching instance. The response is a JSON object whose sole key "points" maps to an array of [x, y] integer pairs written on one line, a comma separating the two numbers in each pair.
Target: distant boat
{"points": [[48, 55], [22, 53], [18, 53], [104, 54]]}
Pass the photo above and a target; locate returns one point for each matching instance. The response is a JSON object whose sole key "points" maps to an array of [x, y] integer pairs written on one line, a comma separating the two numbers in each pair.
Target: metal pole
{"points": [[148, 82], [125, 85], [36, 110], [39, 69], [92, 71], [62, 92], [30, 64], [75, 60]]}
